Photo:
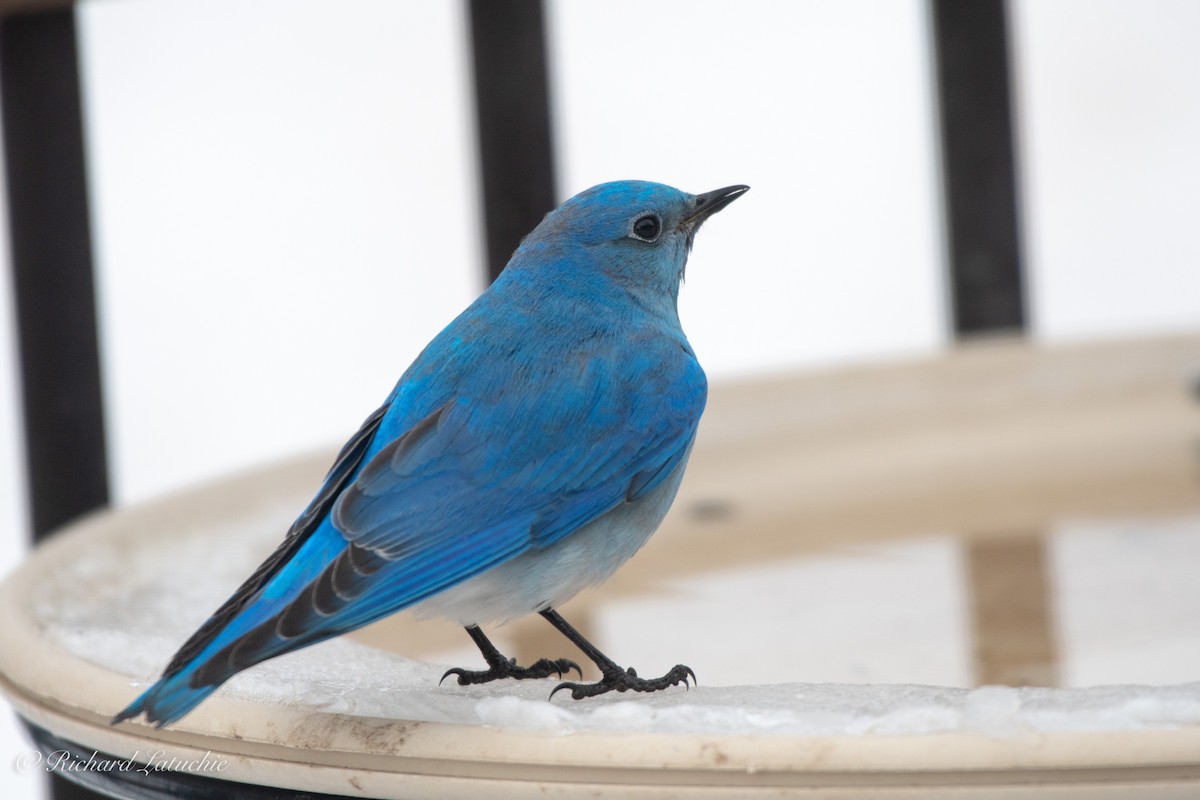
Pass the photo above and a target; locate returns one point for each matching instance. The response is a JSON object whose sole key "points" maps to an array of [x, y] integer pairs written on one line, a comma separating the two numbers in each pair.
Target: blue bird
{"points": [[532, 447]]}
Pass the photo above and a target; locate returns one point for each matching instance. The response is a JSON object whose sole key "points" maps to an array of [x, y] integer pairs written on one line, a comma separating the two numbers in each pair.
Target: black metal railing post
{"points": [[987, 287], [512, 105], [53, 284]]}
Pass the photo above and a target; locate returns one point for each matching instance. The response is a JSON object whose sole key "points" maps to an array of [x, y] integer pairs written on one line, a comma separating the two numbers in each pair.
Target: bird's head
{"points": [[636, 233]]}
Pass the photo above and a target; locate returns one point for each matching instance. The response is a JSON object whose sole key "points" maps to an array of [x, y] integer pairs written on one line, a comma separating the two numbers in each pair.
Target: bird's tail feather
{"points": [[319, 594], [180, 690], [166, 701]]}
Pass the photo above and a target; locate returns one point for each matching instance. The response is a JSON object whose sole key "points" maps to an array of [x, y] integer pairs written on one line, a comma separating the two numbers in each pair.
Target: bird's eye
{"points": [[647, 228]]}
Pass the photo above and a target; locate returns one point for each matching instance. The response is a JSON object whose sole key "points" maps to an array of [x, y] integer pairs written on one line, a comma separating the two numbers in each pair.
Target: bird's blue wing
{"points": [[562, 450], [487, 476]]}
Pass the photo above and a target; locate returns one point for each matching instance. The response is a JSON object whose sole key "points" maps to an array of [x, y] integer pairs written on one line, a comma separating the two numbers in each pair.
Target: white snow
{"points": [[345, 677]]}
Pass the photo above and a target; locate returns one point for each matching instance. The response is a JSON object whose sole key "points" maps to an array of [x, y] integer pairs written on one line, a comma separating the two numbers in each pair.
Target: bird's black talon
{"points": [[561, 686], [501, 667], [544, 667], [467, 677], [452, 671], [627, 681], [508, 668]]}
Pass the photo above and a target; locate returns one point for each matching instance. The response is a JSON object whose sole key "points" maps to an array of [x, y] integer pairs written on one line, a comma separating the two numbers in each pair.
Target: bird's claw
{"points": [[628, 681], [542, 668]]}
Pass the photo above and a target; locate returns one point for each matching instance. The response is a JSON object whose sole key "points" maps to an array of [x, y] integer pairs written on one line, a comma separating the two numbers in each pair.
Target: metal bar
{"points": [[53, 286], [52, 268], [512, 101], [979, 166]]}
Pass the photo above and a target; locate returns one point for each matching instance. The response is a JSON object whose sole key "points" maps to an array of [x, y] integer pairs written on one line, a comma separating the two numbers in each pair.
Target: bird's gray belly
{"points": [[548, 577]]}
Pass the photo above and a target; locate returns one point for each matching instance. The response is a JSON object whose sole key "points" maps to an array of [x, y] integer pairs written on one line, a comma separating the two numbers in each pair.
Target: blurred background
{"points": [[278, 202]]}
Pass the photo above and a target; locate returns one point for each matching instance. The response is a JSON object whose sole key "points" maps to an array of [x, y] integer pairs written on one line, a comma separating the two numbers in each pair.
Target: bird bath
{"points": [[851, 557]]}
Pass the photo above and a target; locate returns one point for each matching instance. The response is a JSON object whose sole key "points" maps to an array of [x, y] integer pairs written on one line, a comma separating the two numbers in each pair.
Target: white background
{"points": [[284, 197]]}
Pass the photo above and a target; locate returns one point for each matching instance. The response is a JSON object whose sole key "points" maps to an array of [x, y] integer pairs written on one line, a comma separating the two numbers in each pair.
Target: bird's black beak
{"points": [[710, 203]]}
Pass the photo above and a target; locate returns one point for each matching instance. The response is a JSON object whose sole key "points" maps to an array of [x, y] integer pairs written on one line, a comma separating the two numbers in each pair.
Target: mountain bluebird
{"points": [[532, 447]]}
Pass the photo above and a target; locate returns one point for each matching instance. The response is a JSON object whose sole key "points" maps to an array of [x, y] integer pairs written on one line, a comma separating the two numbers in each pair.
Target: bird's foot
{"points": [[627, 681], [508, 668]]}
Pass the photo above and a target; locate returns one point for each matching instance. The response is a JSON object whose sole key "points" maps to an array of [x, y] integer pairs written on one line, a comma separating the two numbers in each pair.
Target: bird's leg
{"points": [[501, 667], [614, 678]]}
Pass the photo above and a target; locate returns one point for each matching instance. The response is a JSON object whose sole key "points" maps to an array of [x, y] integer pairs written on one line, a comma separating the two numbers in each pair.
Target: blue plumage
{"points": [[531, 448]]}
